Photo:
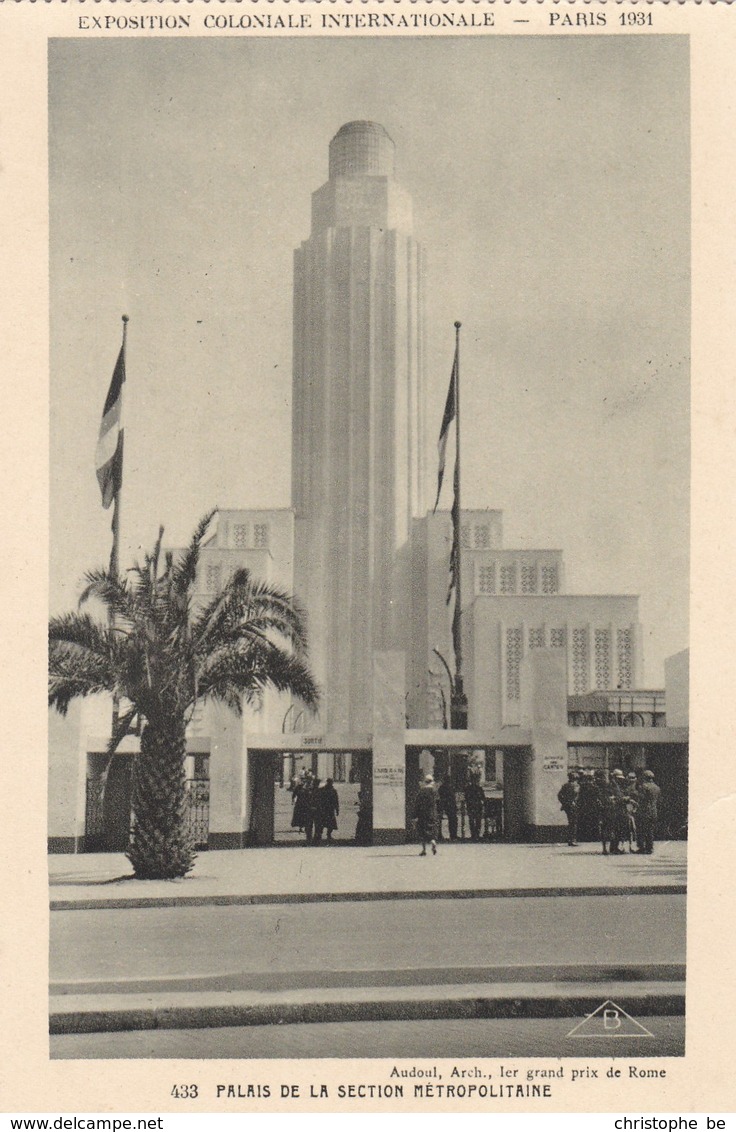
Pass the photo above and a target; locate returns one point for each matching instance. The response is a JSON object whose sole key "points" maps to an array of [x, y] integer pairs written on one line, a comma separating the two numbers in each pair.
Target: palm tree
{"points": [[161, 652]]}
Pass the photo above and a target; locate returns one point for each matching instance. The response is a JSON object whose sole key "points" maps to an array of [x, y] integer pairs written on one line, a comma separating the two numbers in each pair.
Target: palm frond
{"points": [[74, 672], [246, 607], [252, 667], [82, 631], [185, 570], [113, 592]]}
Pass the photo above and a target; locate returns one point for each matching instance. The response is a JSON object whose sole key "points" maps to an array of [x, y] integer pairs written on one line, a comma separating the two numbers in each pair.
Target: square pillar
{"points": [[228, 779], [544, 713], [389, 756], [67, 780]]}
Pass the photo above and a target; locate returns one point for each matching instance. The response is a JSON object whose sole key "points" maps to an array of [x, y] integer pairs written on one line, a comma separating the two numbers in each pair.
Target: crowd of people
{"points": [[614, 808], [316, 807]]}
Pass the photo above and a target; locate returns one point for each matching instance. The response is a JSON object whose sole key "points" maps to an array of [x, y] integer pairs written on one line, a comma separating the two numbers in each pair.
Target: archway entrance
{"points": [[470, 795], [310, 797]]}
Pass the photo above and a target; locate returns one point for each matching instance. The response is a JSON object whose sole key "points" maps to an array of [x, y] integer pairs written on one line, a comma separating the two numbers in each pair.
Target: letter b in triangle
{"points": [[609, 1021]]}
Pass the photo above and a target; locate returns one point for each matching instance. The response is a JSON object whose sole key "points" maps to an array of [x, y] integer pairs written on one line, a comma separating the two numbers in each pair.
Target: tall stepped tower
{"points": [[358, 419]]}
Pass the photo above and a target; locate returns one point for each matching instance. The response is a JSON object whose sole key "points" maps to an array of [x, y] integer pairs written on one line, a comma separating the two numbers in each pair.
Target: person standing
{"points": [[475, 804], [327, 808], [364, 827], [426, 815], [632, 807], [299, 795], [310, 808], [448, 806], [588, 807], [568, 797], [618, 818], [649, 794]]}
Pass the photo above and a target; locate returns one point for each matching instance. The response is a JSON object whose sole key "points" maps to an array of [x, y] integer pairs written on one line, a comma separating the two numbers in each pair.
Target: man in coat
{"points": [[448, 806], [649, 794], [426, 815], [326, 811], [475, 804], [568, 798], [617, 817]]}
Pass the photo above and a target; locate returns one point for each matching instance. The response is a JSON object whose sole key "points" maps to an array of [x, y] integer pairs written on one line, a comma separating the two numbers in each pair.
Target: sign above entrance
{"points": [[285, 741]]}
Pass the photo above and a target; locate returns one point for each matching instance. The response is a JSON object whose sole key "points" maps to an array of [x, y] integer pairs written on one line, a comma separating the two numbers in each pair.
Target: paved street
{"points": [[365, 942], [178, 945], [427, 1039]]}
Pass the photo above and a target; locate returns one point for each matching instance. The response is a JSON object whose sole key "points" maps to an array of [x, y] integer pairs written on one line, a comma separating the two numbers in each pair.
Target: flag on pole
{"points": [[455, 552], [447, 419], [109, 455]]}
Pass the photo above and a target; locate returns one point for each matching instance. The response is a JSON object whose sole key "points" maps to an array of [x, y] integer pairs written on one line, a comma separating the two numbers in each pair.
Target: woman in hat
{"points": [[426, 815]]}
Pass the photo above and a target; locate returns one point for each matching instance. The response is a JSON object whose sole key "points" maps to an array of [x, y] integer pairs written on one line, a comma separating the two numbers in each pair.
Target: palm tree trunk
{"points": [[161, 845]]}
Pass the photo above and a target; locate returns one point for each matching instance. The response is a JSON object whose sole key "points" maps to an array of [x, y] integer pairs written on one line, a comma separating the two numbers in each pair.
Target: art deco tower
{"points": [[358, 388]]}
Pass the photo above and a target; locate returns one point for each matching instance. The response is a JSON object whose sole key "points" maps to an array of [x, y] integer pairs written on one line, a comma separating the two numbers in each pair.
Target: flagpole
{"points": [[115, 552], [458, 702]]}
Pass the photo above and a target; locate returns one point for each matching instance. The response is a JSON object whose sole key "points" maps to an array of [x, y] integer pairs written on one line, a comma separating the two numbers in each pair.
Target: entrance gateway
{"points": [[375, 801]]}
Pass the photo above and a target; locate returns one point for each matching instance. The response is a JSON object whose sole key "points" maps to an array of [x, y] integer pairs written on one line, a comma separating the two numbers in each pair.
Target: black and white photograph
{"points": [[369, 551]]}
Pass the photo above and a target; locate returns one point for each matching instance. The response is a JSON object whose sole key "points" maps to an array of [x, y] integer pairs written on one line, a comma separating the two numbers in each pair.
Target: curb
{"points": [[507, 1001], [86, 904]]}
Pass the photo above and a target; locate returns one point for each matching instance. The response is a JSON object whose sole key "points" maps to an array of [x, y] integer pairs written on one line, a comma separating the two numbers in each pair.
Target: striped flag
{"points": [[455, 552], [109, 455], [447, 419]]}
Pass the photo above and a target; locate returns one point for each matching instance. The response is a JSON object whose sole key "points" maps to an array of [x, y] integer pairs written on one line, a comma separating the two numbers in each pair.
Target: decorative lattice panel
{"points": [[602, 658], [486, 579], [508, 579], [625, 659], [536, 638], [260, 534], [513, 663], [529, 578], [580, 660], [550, 580], [213, 577], [557, 638]]}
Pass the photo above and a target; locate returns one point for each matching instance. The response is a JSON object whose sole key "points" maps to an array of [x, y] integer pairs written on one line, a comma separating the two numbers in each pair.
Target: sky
{"points": [[550, 181]]}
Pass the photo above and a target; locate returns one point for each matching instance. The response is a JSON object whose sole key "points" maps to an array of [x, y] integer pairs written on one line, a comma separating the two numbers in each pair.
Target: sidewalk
{"points": [[346, 873]]}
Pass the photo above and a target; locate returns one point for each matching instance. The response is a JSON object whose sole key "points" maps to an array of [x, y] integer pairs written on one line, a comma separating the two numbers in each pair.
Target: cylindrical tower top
{"points": [[360, 148]]}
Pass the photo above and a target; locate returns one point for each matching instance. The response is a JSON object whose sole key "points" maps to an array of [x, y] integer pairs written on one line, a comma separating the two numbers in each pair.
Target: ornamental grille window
{"points": [[240, 535], [481, 538], [260, 534], [602, 658], [550, 580], [557, 638], [486, 579], [580, 660], [529, 579], [536, 638], [465, 536], [513, 663], [213, 576], [623, 649], [508, 579]]}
